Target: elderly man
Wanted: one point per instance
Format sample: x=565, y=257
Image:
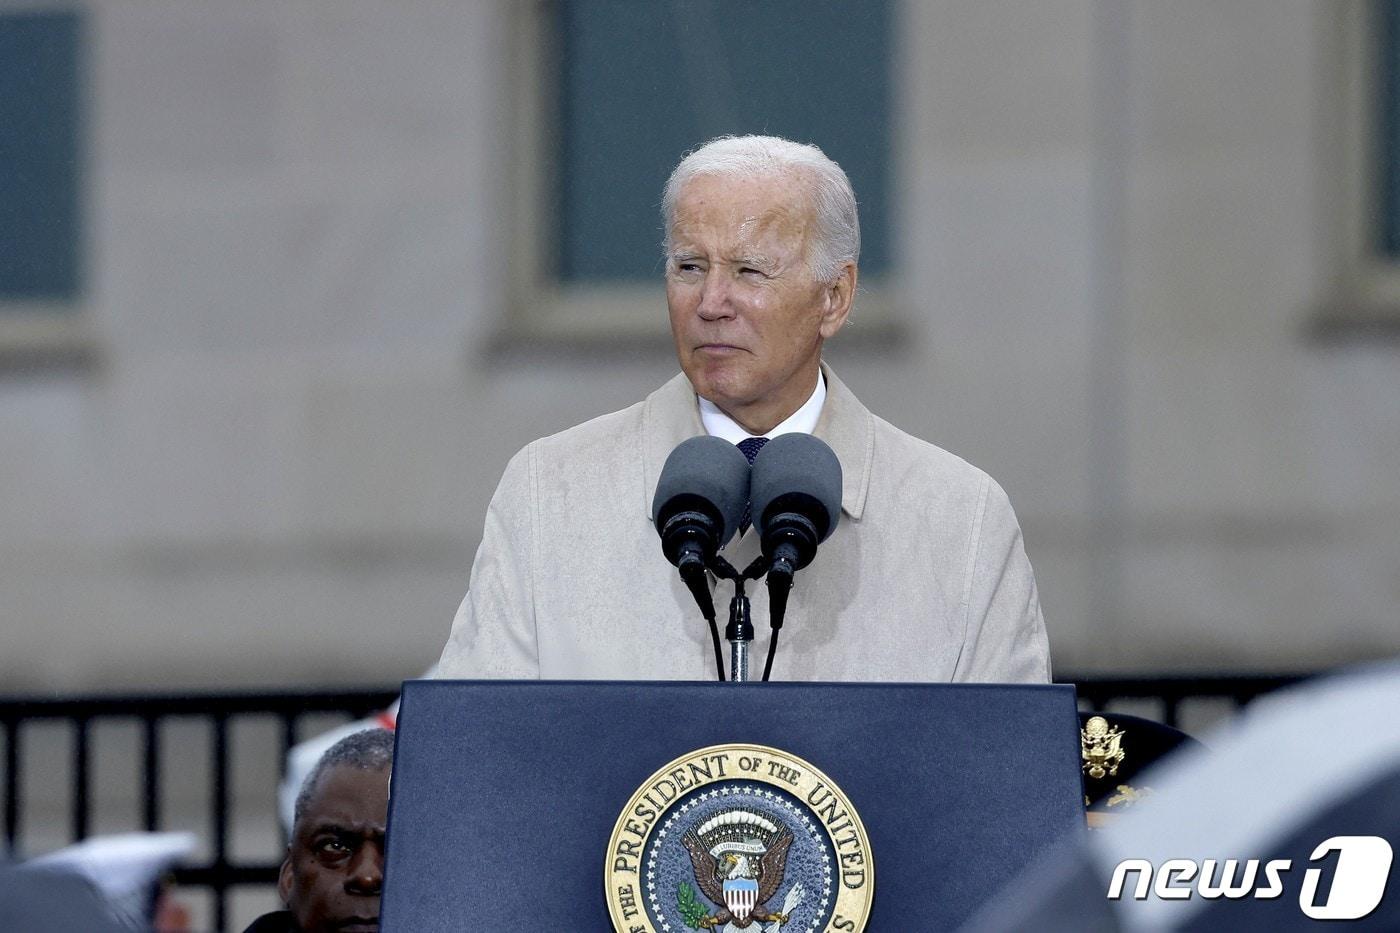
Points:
x=331, y=878
x=925, y=577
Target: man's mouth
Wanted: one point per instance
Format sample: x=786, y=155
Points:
x=359, y=925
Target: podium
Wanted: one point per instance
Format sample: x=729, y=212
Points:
x=544, y=805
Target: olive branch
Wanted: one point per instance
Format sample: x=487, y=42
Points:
x=692, y=911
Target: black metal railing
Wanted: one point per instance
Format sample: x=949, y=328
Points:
x=221, y=873
x=1097, y=692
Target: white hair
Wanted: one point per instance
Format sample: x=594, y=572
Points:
x=833, y=203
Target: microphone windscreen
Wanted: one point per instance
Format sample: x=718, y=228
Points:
x=797, y=464
x=711, y=468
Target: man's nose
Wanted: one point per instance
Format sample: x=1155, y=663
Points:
x=366, y=874
x=714, y=296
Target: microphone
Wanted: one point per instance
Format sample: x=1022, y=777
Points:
x=796, y=493
x=699, y=503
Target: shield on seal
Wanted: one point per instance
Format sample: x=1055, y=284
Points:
x=740, y=896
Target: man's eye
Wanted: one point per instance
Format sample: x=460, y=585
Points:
x=332, y=846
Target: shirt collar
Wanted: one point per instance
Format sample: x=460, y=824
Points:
x=802, y=421
x=671, y=414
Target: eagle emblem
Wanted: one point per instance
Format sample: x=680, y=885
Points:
x=739, y=856
x=739, y=839
x=1100, y=747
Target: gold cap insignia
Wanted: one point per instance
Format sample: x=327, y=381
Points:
x=1100, y=748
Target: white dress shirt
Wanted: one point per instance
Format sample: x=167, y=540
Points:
x=802, y=421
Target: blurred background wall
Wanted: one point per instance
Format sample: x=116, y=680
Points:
x=256, y=443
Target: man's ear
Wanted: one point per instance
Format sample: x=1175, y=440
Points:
x=839, y=295
x=284, y=879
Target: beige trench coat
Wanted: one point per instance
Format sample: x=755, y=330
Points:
x=925, y=578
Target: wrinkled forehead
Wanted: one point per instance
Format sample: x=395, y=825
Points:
x=346, y=796
x=731, y=212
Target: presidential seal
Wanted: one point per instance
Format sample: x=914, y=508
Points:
x=739, y=837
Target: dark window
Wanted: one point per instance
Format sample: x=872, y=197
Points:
x=1388, y=127
x=641, y=83
x=39, y=172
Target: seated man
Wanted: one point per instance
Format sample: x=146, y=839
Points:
x=924, y=578
x=334, y=868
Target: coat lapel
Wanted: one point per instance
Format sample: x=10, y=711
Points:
x=849, y=427
x=669, y=416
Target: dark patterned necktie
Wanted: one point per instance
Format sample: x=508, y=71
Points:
x=749, y=446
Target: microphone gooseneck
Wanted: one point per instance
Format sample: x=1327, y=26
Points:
x=699, y=502
x=796, y=501
x=687, y=540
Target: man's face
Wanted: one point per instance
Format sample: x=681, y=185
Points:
x=335, y=862
x=747, y=315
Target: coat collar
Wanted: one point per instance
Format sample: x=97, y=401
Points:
x=671, y=414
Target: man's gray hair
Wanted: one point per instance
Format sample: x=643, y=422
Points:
x=370, y=750
x=837, y=239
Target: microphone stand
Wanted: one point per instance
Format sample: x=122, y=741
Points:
x=739, y=631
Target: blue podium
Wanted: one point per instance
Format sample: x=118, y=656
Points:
x=564, y=806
